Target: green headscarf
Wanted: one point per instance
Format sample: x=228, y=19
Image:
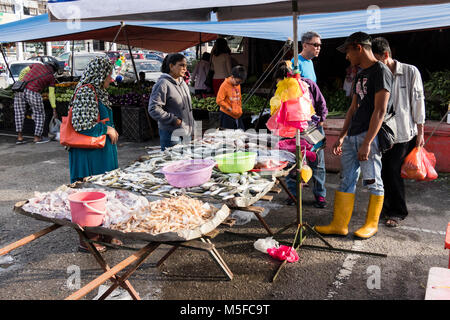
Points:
x=84, y=105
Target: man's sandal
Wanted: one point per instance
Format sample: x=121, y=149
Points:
x=393, y=223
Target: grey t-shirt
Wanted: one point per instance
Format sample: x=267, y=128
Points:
x=367, y=83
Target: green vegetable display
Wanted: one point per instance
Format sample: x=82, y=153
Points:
x=253, y=105
x=208, y=104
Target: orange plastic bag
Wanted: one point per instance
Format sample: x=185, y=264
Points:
x=419, y=165
x=429, y=161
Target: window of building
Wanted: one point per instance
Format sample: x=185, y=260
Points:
x=7, y=8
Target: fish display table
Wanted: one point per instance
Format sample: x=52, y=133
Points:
x=239, y=191
x=200, y=241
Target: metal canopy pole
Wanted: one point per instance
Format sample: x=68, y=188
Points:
x=131, y=53
x=301, y=225
x=71, y=56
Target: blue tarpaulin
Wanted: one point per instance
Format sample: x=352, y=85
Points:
x=328, y=25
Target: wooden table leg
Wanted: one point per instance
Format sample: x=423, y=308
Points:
x=127, y=275
x=263, y=222
x=110, y=273
x=257, y=212
x=167, y=255
x=285, y=188
x=28, y=239
x=218, y=259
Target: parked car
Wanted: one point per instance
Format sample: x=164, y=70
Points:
x=113, y=55
x=152, y=69
x=16, y=67
x=135, y=56
x=43, y=59
x=154, y=56
x=81, y=60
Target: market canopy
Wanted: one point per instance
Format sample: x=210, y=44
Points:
x=177, y=36
x=200, y=10
x=141, y=35
x=329, y=25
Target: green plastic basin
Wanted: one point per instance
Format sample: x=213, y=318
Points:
x=236, y=162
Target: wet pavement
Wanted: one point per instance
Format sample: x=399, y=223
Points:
x=51, y=268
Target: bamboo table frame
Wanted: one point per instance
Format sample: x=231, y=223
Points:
x=203, y=244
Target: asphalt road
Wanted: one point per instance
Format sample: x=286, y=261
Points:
x=46, y=268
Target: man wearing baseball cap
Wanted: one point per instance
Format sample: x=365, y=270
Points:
x=358, y=143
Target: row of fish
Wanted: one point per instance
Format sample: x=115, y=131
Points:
x=144, y=176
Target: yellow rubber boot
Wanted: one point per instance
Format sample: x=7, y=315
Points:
x=373, y=216
x=343, y=209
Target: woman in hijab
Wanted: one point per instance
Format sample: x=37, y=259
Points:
x=89, y=101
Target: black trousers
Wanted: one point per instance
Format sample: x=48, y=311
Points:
x=227, y=122
x=394, y=187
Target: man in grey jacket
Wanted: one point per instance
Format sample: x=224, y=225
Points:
x=409, y=106
x=170, y=103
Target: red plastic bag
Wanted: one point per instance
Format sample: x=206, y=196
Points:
x=280, y=129
x=283, y=253
x=419, y=165
x=429, y=161
x=291, y=114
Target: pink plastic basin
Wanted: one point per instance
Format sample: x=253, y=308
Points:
x=88, y=208
x=189, y=173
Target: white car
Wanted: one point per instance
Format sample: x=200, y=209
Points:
x=152, y=69
x=80, y=60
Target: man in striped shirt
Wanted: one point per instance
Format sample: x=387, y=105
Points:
x=38, y=77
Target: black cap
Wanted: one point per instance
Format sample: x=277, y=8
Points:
x=53, y=65
x=355, y=38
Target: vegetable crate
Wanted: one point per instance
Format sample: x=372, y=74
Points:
x=135, y=125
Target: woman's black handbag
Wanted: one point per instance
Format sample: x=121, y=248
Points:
x=387, y=133
x=19, y=86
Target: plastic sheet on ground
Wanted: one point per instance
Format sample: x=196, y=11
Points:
x=117, y=294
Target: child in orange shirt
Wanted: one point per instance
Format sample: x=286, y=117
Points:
x=229, y=99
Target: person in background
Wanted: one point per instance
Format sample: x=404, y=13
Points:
x=187, y=77
x=318, y=165
x=199, y=75
x=357, y=143
x=39, y=77
x=90, y=101
x=350, y=74
x=311, y=45
x=143, y=83
x=220, y=63
x=409, y=107
x=229, y=99
x=170, y=102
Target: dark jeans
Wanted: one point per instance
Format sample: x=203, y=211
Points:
x=318, y=178
x=228, y=122
x=166, y=141
x=394, y=187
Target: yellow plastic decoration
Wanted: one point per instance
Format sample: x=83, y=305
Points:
x=306, y=173
x=275, y=104
x=287, y=89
